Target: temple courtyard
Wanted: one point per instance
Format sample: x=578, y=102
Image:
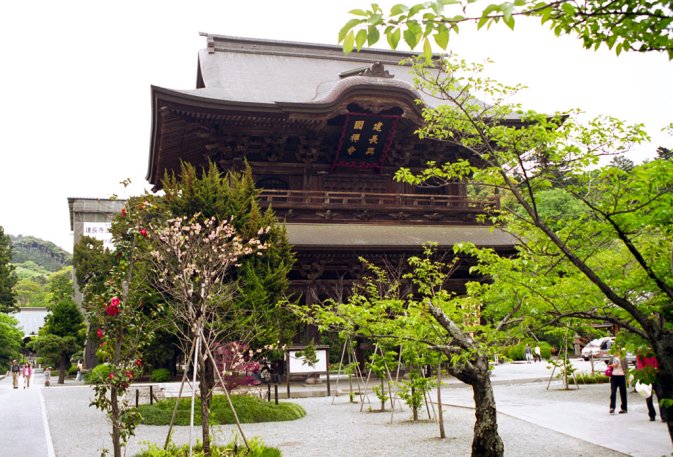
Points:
x=533, y=420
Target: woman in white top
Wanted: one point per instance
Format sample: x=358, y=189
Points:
x=618, y=380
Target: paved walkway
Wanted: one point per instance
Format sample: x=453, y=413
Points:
x=23, y=419
x=532, y=421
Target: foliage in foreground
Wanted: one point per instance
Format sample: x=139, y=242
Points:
x=257, y=449
x=249, y=410
x=7, y=275
x=10, y=341
x=622, y=25
x=594, y=241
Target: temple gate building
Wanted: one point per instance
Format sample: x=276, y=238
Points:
x=323, y=133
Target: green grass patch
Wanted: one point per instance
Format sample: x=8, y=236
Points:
x=588, y=378
x=257, y=449
x=249, y=410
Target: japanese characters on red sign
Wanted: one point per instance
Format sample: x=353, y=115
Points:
x=365, y=140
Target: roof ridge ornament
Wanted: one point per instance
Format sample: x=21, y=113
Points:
x=377, y=70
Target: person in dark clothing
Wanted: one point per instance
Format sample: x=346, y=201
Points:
x=643, y=362
x=618, y=381
x=15, y=369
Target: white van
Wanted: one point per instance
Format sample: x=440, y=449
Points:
x=598, y=348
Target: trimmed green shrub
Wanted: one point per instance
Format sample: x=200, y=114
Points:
x=98, y=374
x=249, y=410
x=160, y=375
x=518, y=351
x=588, y=378
x=234, y=449
x=72, y=371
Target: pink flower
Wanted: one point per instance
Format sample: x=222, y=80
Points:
x=99, y=332
x=143, y=232
x=115, y=301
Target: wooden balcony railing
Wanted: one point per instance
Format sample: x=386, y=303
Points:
x=297, y=199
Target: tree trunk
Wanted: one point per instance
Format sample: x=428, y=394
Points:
x=475, y=372
x=663, y=348
x=205, y=403
x=440, y=409
x=114, y=415
x=486, y=441
x=62, y=361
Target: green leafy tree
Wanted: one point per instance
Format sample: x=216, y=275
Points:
x=10, y=341
x=59, y=285
x=7, y=275
x=616, y=251
x=625, y=25
x=262, y=280
x=30, y=293
x=429, y=322
x=64, y=330
x=31, y=270
x=92, y=264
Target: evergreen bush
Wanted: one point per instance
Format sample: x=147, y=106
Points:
x=98, y=374
x=160, y=375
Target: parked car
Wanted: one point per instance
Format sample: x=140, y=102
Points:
x=599, y=349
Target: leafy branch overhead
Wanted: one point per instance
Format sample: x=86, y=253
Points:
x=622, y=25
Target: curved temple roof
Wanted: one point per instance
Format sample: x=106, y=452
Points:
x=265, y=71
x=281, y=84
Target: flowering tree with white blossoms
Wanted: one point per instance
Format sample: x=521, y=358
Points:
x=193, y=259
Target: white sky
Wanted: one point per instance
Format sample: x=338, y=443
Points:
x=76, y=75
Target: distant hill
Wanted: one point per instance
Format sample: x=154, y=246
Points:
x=43, y=253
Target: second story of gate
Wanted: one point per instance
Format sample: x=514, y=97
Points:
x=323, y=132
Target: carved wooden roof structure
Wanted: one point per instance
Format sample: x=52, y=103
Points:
x=323, y=133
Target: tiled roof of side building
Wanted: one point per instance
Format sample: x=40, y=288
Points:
x=394, y=236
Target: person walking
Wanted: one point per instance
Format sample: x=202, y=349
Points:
x=648, y=364
x=15, y=369
x=529, y=353
x=537, y=354
x=27, y=372
x=618, y=381
x=80, y=369
x=47, y=376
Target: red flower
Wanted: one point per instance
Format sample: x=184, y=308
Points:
x=99, y=332
x=111, y=375
x=143, y=232
x=123, y=212
x=112, y=310
x=129, y=374
x=115, y=301
x=139, y=362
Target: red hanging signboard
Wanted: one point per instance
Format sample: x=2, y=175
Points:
x=365, y=141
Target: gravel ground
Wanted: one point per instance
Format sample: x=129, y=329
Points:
x=327, y=430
